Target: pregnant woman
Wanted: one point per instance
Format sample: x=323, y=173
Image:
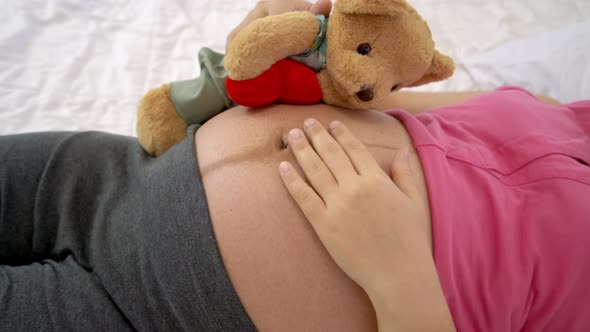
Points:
x=97, y=235
x=489, y=223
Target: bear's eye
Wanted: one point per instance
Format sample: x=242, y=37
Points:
x=364, y=49
x=394, y=87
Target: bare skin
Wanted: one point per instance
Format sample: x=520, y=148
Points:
x=279, y=268
x=369, y=224
x=282, y=273
x=416, y=102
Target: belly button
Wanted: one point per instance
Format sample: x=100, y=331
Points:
x=284, y=145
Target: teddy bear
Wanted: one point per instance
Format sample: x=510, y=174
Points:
x=365, y=50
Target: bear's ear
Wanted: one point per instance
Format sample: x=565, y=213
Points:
x=442, y=67
x=373, y=7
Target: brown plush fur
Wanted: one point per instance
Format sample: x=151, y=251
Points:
x=158, y=124
x=402, y=49
x=374, y=7
x=402, y=52
x=268, y=40
x=402, y=55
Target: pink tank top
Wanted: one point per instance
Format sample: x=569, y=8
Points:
x=509, y=189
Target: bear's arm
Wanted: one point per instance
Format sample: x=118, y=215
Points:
x=265, y=41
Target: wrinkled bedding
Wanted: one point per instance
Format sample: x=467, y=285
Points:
x=84, y=65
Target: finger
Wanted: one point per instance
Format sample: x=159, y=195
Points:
x=261, y=10
x=401, y=173
x=312, y=165
x=329, y=151
x=307, y=200
x=361, y=159
x=303, y=6
x=323, y=7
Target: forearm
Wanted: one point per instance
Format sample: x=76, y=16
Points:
x=412, y=301
x=416, y=102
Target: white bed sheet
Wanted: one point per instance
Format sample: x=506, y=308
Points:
x=84, y=65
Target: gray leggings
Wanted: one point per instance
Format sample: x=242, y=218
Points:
x=95, y=235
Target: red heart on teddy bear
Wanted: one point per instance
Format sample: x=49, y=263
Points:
x=287, y=81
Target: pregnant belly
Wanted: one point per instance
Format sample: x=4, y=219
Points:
x=279, y=268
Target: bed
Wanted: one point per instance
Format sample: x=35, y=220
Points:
x=84, y=65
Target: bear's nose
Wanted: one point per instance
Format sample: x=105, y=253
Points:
x=365, y=94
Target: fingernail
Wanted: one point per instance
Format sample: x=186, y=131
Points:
x=295, y=134
x=310, y=123
x=335, y=124
x=284, y=167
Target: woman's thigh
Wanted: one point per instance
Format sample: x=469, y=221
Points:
x=279, y=268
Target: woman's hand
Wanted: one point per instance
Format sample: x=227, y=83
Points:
x=275, y=7
x=369, y=224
